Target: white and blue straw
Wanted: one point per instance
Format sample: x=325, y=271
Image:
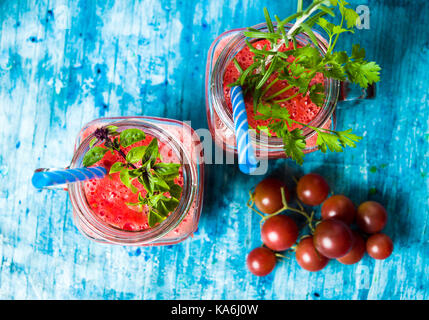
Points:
x=43, y=179
x=246, y=156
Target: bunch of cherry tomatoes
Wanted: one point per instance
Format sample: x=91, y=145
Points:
x=330, y=238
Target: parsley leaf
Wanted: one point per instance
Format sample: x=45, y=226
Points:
x=294, y=144
x=336, y=141
x=363, y=72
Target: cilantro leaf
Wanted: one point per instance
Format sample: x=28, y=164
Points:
x=264, y=129
x=336, y=141
x=317, y=94
x=329, y=141
x=352, y=18
x=347, y=138
x=357, y=52
x=363, y=72
x=274, y=111
x=294, y=144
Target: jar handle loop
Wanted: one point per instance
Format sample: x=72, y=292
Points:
x=350, y=91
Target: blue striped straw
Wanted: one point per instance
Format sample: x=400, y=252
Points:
x=246, y=156
x=42, y=179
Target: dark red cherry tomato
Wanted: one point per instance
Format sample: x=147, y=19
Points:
x=312, y=189
x=333, y=238
x=268, y=197
x=339, y=207
x=261, y=261
x=357, y=251
x=279, y=233
x=307, y=256
x=371, y=217
x=379, y=246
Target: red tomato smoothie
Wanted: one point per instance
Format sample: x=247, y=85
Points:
x=300, y=108
x=108, y=197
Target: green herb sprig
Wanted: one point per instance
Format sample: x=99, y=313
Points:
x=307, y=63
x=156, y=177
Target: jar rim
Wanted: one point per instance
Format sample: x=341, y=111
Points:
x=231, y=48
x=110, y=233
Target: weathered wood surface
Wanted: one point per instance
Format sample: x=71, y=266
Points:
x=64, y=63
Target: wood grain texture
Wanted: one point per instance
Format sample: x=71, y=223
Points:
x=64, y=63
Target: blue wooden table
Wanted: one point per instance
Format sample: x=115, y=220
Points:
x=64, y=63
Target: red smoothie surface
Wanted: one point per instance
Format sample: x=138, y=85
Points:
x=108, y=197
x=300, y=108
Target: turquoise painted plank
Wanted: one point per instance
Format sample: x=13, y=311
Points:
x=64, y=63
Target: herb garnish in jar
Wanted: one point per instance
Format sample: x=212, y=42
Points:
x=284, y=73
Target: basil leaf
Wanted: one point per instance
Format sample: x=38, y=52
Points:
x=166, y=169
x=170, y=178
x=93, y=156
x=162, y=210
x=175, y=191
x=125, y=178
x=147, y=182
x=116, y=167
x=155, y=199
x=131, y=136
x=135, y=173
x=160, y=184
x=151, y=153
x=134, y=204
x=171, y=204
x=154, y=218
x=135, y=154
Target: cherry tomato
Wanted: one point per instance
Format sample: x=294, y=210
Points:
x=312, y=189
x=261, y=261
x=279, y=232
x=371, y=217
x=357, y=251
x=339, y=207
x=307, y=256
x=268, y=197
x=333, y=238
x=379, y=246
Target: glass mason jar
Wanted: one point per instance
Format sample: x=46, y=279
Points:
x=219, y=116
x=181, y=223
